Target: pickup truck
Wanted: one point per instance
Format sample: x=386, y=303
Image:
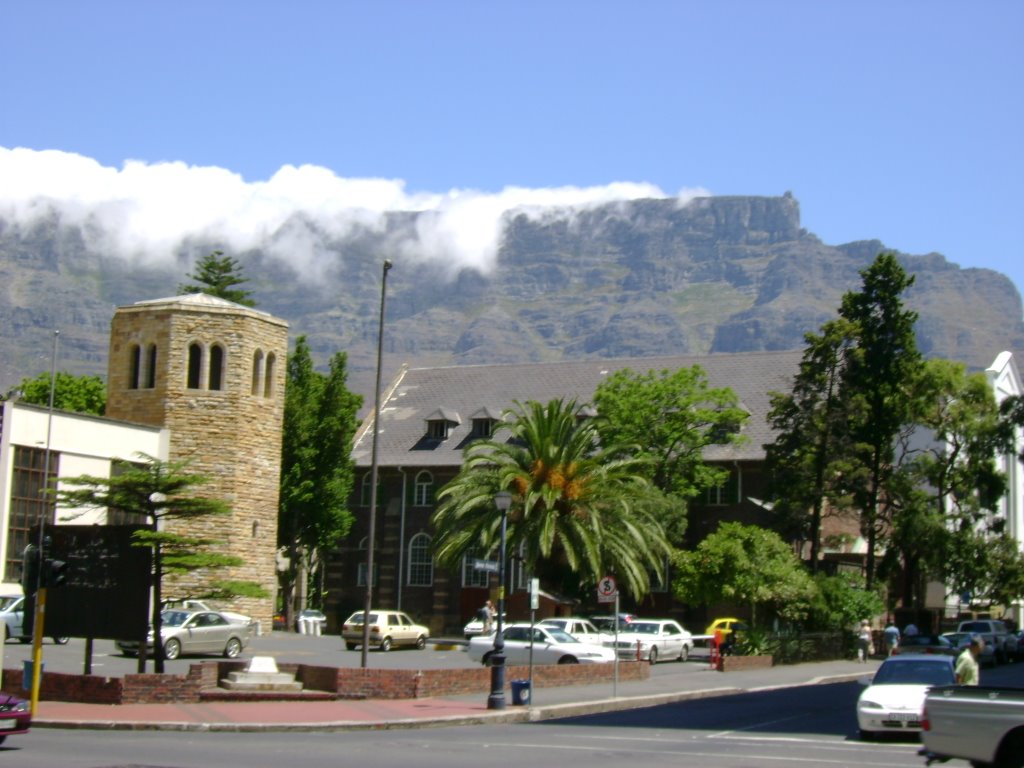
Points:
x=996, y=635
x=984, y=725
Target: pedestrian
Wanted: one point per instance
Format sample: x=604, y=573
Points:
x=966, y=669
x=891, y=636
x=486, y=615
x=864, y=642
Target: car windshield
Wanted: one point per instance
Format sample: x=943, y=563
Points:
x=357, y=618
x=918, y=672
x=174, y=618
x=640, y=627
x=560, y=635
x=7, y=602
x=925, y=640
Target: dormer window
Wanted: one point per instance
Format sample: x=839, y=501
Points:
x=484, y=422
x=441, y=422
x=584, y=413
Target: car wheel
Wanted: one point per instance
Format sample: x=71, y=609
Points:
x=421, y=642
x=172, y=649
x=385, y=644
x=653, y=656
x=684, y=654
x=3, y=738
x=24, y=640
x=350, y=646
x=233, y=648
x=61, y=640
x=568, y=660
x=867, y=735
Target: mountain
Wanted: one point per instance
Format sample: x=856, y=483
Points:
x=720, y=274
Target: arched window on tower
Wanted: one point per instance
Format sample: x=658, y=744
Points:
x=257, y=371
x=268, y=378
x=151, y=366
x=195, y=365
x=423, y=489
x=216, y=367
x=134, y=366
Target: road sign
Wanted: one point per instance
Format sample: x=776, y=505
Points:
x=607, y=590
x=491, y=566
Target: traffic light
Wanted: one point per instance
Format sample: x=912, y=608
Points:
x=55, y=573
x=30, y=569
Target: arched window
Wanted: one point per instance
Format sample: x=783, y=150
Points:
x=134, y=366
x=216, y=367
x=195, y=365
x=151, y=366
x=364, y=492
x=268, y=379
x=423, y=489
x=257, y=371
x=472, y=576
x=421, y=564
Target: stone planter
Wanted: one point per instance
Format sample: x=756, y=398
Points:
x=737, y=663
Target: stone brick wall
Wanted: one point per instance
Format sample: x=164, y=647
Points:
x=231, y=434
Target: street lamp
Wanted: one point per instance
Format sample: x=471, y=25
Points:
x=496, y=700
x=371, y=533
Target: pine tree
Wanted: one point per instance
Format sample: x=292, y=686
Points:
x=217, y=275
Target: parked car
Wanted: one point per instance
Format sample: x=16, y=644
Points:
x=654, y=639
x=551, y=645
x=475, y=627
x=607, y=623
x=1019, y=647
x=12, y=613
x=312, y=617
x=995, y=633
x=893, y=700
x=198, y=605
x=582, y=629
x=980, y=724
x=15, y=716
x=193, y=632
x=726, y=627
x=387, y=629
x=960, y=640
x=925, y=644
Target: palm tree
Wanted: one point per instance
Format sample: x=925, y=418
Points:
x=575, y=503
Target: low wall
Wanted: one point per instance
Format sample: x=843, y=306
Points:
x=345, y=682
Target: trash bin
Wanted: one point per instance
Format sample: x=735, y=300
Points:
x=520, y=692
x=26, y=674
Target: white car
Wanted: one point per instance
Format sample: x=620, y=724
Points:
x=198, y=605
x=894, y=697
x=551, y=645
x=654, y=639
x=387, y=629
x=582, y=629
x=12, y=613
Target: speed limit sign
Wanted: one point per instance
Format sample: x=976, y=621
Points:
x=607, y=590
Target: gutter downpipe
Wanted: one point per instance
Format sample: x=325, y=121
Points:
x=401, y=540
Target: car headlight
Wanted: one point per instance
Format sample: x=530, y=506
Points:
x=868, y=704
x=21, y=706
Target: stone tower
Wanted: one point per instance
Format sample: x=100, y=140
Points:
x=213, y=373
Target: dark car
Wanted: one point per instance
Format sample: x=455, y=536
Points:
x=935, y=644
x=15, y=716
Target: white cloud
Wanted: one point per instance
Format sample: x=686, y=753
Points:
x=146, y=211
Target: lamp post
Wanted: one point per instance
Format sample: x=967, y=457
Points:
x=496, y=699
x=371, y=534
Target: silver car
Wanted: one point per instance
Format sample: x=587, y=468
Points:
x=654, y=639
x=194, y=632
x=12, y=614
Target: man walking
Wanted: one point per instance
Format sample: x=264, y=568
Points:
x=966, y=669
x=891, y=635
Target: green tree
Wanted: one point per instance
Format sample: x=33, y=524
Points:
x=747, y=565
x=668, y=419
x=217, y=275
x=81, y=394
x=881, y=366
x=811, y=439
x=577, y=504
x=157, y=493
x=841, y=602
x=317, y=472
x=946, y=481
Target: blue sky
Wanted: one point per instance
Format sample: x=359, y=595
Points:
x=892, y=120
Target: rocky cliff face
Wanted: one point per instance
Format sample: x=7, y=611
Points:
x=721, y=274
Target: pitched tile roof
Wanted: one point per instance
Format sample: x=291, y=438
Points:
x=419, y=394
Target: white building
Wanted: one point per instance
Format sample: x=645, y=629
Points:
x=32, y=441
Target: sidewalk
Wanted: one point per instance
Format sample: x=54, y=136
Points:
x=695, y=680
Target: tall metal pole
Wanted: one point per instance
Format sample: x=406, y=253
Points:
x=496, y=699
x=40, y=599
x=372, y=534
